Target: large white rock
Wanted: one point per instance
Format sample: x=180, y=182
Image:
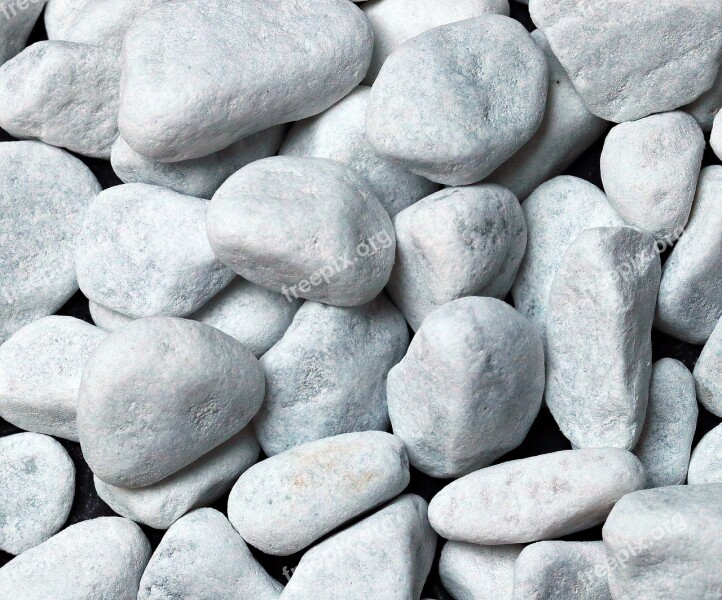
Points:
x=60, y=14
x=708, y=372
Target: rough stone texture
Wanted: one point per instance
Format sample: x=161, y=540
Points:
x=690, y=295
x=40, y=370
x=387, y=555
x=106, y=318
x=143, y=252
x=327, y=375
x=631, y=60
x=535, y=498
x=307, y=227
x=705, y=108
x=288, y=501
x=664, y=544
x=650, y=169
x=599, y=345
x=282, y=62
x=708, y=372
x=203, y=558
x=101, y=558
x=339, y=133
x=396, y=21
x=199, y=177
x=706, y=463
x=567, y=130
x=199, y=388
x=64, y=94
x=16, y=25
x=555, y=214
x=471, y=572
x=199, y=484
x=458, y=242
x=60, y=14
x=44, y=193
x=484, y=91
x=666, y=440
x=37, y=485
x=715, y=140
x=463, y=395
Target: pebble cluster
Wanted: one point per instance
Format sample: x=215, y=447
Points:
x=344, y=257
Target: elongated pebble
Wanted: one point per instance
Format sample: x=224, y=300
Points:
x=705, y=108
x=288, y=501
x=16, y=26
x=708, y=372
x=706, y=463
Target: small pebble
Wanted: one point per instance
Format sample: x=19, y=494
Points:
x=705, y=108
x=706, y=463
x=16, y=26
x=708, y=372
x=107, y=319
x=715, y=140
x=60, y=15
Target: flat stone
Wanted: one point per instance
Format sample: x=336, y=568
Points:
x=60, y=14
x=44, y=194
x=458, y=242
x=40, y=370
x=202, y=557
x=705, y=108
x=666, y=440
x=295, y=59
x=306, y=227
x=567, y=130
x=286, y=502
x=327, y=375
x=143, y=252
x=708, y=372
x=37, y=486
x=199, y=388
x=99, y=558
x=631, y=60
x=706, y=463
x=199, y=484
x=664, y=544
x=471, y=572
x=16, y=26
x=484, y=92
x=537, y=498
x=650, y=169
x=387, y=555
x=599, y=344
x=690, y=295
x=339, y=133
x=199, y=177
x=463, y=396
x=64, y=94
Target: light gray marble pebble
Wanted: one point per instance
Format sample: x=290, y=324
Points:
x=286, y=502
x=107, y=319
x=708, y=372
x=715, y=139
x=16, y=25
x=60, y=14
x=706, y=463
x=705, y=108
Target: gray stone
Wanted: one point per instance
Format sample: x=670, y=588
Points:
x=143, y=252
x=690, y=295
x=107, y=319
x=387, y=555
x=199, y=484
x=64, y=94
x=459, y=242
x=327, y=375
x=40, y=370
x=44, y=194
x=484, y=91
x=463, y=395
x=535, y=498
x=37, y=486
x=307, y=227
x=705, y=108
x=100, y=558
x=664, y=544
x=567, y=130
x=396, y=21
x=339, y=133
x=288, y=501
x=599, y=344
x=291, y=59
x=199, y=177
x=715, y=139
x=555, y=214
x=650, y=169
x=666, y=440
x=708, y=372
x=562, y=571
x=60, y=14
x=631, y=60
x=471, y=572
x=706, y=463
x=160, y=393
x=203, y=558
x=16, y=25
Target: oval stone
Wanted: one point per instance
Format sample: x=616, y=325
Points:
x=708, y=372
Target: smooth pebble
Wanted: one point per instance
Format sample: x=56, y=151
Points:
x=16, y=26
x=708, y=372
x=705, y=108
x=706, y=463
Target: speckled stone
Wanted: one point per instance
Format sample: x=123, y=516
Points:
x=37, y=485
x=40, y=370
x=705, y=108
x=327, y=375
x=706, y=463
x=16, y=25
x=708, y=372
x=535, y=498
x=288, y=501
x=463, y=395
x=484, y=93
x=458, y=242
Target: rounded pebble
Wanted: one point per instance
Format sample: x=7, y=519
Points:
x=708, y=372
x=706, y=463
x=705, y=108
x=16, y=26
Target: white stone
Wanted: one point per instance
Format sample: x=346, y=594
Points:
x=60, y=14
x=708, y=372
x=706, y=463
x=705, y=108
x=16, y=25
x=715, y=140
x=107, y=319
